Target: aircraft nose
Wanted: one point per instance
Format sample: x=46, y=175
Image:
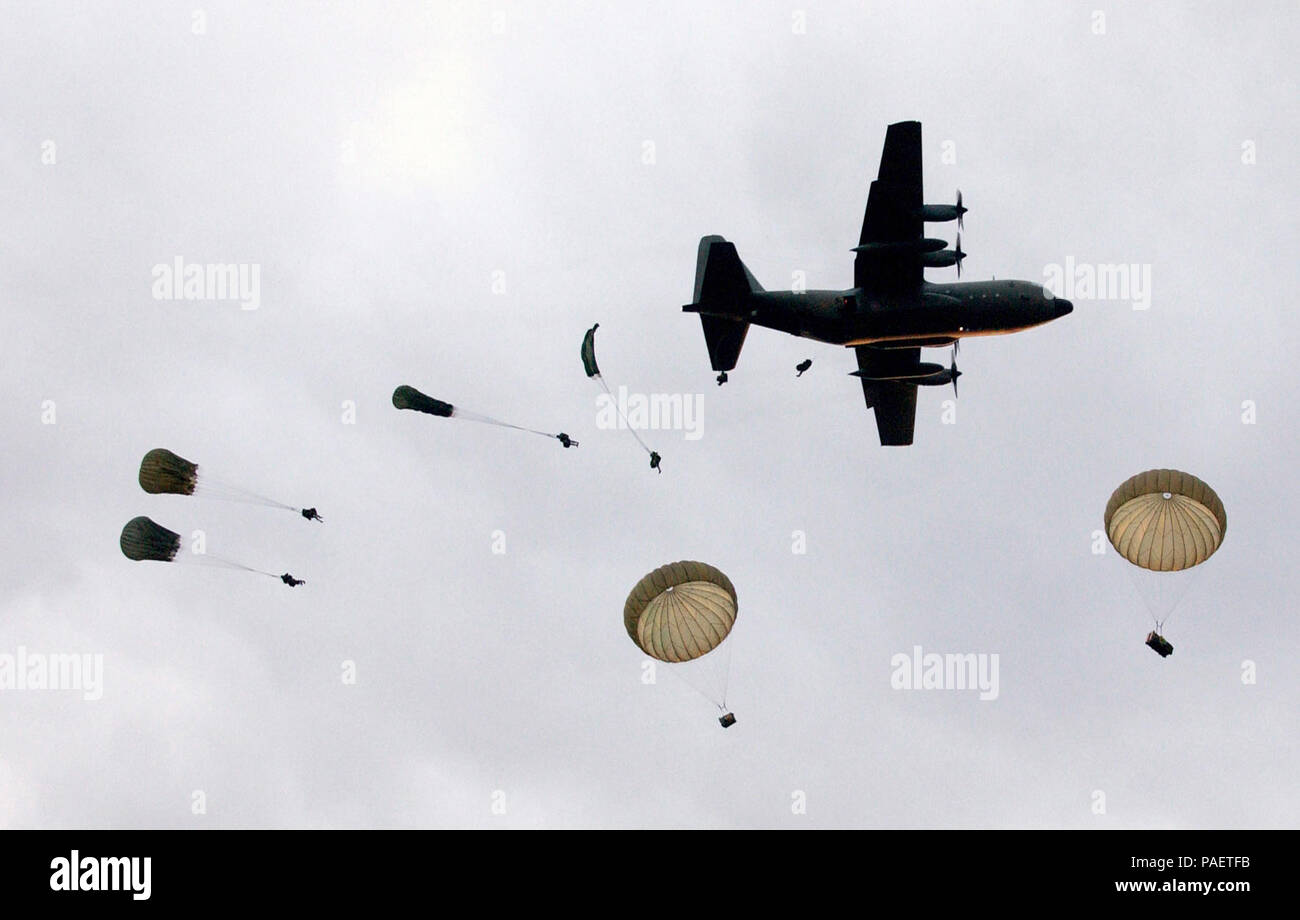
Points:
x=1062, y=306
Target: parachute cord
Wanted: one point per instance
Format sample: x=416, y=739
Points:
x=726, y=681
x=1161, y=592
x=246, y=568
x=488, y=420
x=693, y=687
x=619, y=410
x=706, y=681
x=212, y=487
x=211, y=559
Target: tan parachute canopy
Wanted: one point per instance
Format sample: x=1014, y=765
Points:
x=163, y=471
x=680, y=611
x=1165, y=520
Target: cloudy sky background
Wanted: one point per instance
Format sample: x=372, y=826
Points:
x=383, y=166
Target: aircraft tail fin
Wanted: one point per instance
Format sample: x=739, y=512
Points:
x=722, y=285
x=720, y=276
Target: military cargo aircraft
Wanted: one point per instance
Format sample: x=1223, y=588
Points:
x=891, y=312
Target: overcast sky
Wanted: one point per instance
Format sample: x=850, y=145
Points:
x=385, y=170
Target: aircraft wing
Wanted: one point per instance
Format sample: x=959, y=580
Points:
x=893, y=401
x=893, y=214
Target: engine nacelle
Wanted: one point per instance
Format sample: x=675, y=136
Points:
x=922, y=374
x=938, y=213
x=943, y=259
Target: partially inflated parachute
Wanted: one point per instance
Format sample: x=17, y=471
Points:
x=588, y=354
x=407, y=397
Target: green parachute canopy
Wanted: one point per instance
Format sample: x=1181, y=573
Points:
x=405, y=397
x=143, y=539
x=162, y=471
x=589, y=352
x=680, y=611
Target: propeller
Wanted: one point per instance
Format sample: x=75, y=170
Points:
x=955, y=373
x=960, y=211
x=958, y=253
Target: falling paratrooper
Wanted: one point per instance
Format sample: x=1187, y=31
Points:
x=408, y=397
x=163, y=472
x=589, y=365
x=143, y=539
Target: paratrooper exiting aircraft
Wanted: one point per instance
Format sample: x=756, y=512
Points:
x=891, y=312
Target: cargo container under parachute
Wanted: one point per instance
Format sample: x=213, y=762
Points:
x=1165, y=524
x=682, y=614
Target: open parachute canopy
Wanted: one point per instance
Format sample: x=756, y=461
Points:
x=162, y=471
x=1165, y=520
x=143, y=539
x=681, y=611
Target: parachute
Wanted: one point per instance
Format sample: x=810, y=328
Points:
x=407, y=397
x=682, y=613
x=589, y=352
x=1165, y=523
x=143, y=539
x=1165, y=520
x=163, y=472
x=593, y=371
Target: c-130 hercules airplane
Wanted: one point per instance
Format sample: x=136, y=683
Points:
x=891, y=312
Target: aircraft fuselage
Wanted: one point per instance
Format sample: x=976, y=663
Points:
x=933, y=316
